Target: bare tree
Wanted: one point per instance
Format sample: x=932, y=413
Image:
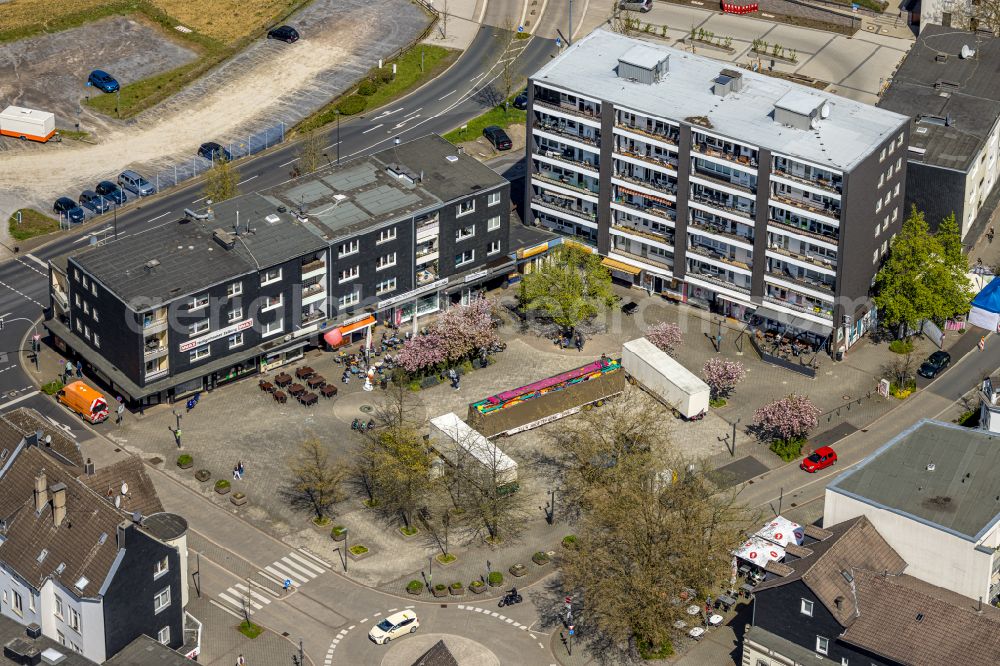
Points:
x=487, y=487
x=901, y=368
x=400, y=468
x=311, y=152
x=316, y=481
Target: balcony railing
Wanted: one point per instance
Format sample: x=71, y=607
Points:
x=149, y=375
x=426, y=276
x=590, y=217
x=669, y=163
x=811, y=309
x=554, y=128
x=649, y=259
x=719, y=203
x=709, y=277
x=805, y=282
x=659, y=136
x=666, y=214
x=828, y=210
x=703, y=149
x=718, y=256
x=563, y=157
x=563, y=181
x=722, y=180
x=426, y=251
x=805, y=232
x=150, y=353
x=312, y=289
x=695, y=226
x=823, y=183
x=310, y=317
x=659, y=238
x=573, y=109
x=154, y=325
x=822, y=262
x=660, y=186
x=313, y=266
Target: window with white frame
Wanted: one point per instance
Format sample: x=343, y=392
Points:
x=881, y=157
x=348, y=274
x=86, y=331
x=58, y=611
x=806, y=607
x=161, y=567
x=822, y=645
x=899, y=140
x=899, y=164
x=272, y=302
x=493, y=223
x=465, y=232
x=878, y=230
x=273, y=328
x=97, y=340
x=200, y=352
x=385, y=286
x=235, y=314
x=93, y=288
x=235, y=289
x=348, y=248
x=16, y=602
x=270, y=276
x=881, y=179
x=86, y=307
x=94, y=315
x=199, y=326
x=350, y=299
x=76, y=299
x=386, y=261
x=875, y=256
x=494, y=247
x=386, y=235
x=61, y=637
x=84, y=281
x=463, y=258
x=236, y=340
x=76, y=274
x=163, y=635
x=465, y=207
x=878, y=205
x=198, y=302
x=895, y=190
x=493, y=199
x=895, y=214
x=161, y=600
x=79, y=326
x=75, y=621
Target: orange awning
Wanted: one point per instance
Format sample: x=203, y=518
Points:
x=621, y=266
x=367, y=321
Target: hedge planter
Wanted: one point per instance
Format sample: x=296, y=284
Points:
x=456, y=589
x=408, y=532
x=414, y=587
x=518, y=570
x=203, y=475
x=477, y=587
x=222, y=486
x=238, y=499
x=185, y=461
x=440, y=590
x=495, y=579
x=338, y=533
x=569, y=541
x=358, y=552
x=445, y=559
x=540, y=558
x=704, y=43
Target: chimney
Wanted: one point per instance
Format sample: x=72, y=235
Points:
x=120, y=534
x=89, y=468
x=58, y=503
x=41, y=494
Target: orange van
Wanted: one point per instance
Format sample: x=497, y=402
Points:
x=85, y=401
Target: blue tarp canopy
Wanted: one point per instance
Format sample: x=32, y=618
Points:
x=985, y=311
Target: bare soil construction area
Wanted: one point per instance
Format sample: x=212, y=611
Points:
x=266, y=83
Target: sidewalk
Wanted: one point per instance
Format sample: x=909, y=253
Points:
x=457, y=24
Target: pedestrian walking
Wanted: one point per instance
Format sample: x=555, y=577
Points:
x=120, y=411
x=989, y=235
x=79, y=369
x=177, y=436
x=453, y=376
x=240, y=661
x=69, y=371
x=240, y=467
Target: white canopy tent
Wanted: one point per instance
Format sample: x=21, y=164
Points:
x=759, y=551
x=782, y=532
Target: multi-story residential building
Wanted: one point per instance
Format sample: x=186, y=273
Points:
x=934, y=495
x=247, y=285
x=715, y=186
x=76, y=566
x=989, y=404
x=947, y=87
x=848, y=600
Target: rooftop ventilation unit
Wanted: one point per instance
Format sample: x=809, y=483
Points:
x=801, y=110
x=728, y=81
x=273, y=218
x=403, y=174
x=151, y=264
x=947, y=86
x=224, y=238
x=452, y=158
x=941, y=57
x=931, y=467
x=967, y=52
x=643, y=64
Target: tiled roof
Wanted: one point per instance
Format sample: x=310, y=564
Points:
x=27, y=421
x=15, y=635
x=438, y=655
x=144, y=651
x=141, y=496
x=918, y=624
x=83, y=546
x=853, y=544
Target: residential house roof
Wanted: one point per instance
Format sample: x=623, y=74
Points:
x=128, y=473
x=144, y=651
x=54, y=440
x=13, y=635
x=438, y=655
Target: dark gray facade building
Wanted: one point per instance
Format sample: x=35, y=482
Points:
x=755, y=197
x=947, y=86
x=249, y=283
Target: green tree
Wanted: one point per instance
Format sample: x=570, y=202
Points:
x=571, y=288
x=400, y=466
x=924, y=276
x=221, y=181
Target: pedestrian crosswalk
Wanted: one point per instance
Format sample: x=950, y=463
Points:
x=298, y=567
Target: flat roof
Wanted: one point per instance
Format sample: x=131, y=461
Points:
x=840, y=141
x=953, y=102
x=940, y=474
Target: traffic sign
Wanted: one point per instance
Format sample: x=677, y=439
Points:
x=558, y=42
x=571, y=630
x=520, y=28
x=288, y=583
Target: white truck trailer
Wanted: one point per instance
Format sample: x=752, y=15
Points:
x=459, y=444
x=666, y=379
x=27, y=124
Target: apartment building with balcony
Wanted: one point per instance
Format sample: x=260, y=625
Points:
x=751, y=196
x=250, y=283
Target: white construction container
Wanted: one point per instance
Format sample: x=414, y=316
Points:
x=27, y=124
x=666, y=379
x=458, y=443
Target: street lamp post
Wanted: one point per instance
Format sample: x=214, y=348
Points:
x=430, y=573
x=336, y=112
x=115, y=204
x=346, y=535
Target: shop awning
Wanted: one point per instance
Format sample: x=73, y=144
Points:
x=799, y=323
x=333, y=337
x=759, y=551
x=367, y=321
x=782, y=532
x=621, y=266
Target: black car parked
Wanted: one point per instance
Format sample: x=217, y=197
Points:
x=69, y=209
x=934, y=364
x=94, y=201
x=212, y=151
x=285, y=33
x=110, y=191
x=521, y=101
x=496, y=136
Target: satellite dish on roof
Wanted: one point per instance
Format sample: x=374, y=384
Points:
x=967, y=51
x=825, y=111
x=118, y=501
x=124, y=488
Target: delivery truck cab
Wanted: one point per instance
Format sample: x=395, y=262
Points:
x=85, y=401
x=27, y=124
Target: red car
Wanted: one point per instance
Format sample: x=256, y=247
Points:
x=821, y=458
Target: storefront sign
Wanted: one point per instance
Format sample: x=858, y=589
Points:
x=411, y=294
x=355, y=319
x=475, y=276
x=215, y=335
x=305, y=331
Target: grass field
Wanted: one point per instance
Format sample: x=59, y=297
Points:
x=495, y=116
x=226, y=21
x=32, y=224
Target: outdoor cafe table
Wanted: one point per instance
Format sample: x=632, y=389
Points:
x=693, y=609
x=308, y=399
x=316, y=381
x=283, y=379
x=296, y=389
x=328, y=391
x=715, y=620
x=747, y=589
x=725, y=601
x=696, y=633
x=304, y=372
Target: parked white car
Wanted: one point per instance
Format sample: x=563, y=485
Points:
x=394, y=626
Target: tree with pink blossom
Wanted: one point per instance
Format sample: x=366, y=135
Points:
x=722, y=376
x=421, y=352
x=666, y=336
x=465, y=329
x=787, y=422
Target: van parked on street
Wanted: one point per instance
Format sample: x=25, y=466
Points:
x=133, y=182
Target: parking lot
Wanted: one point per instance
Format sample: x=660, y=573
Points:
x=855, y=67
x=49, y=72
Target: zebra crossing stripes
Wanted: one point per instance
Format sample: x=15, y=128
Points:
x=297, y=567
x=239, y=594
